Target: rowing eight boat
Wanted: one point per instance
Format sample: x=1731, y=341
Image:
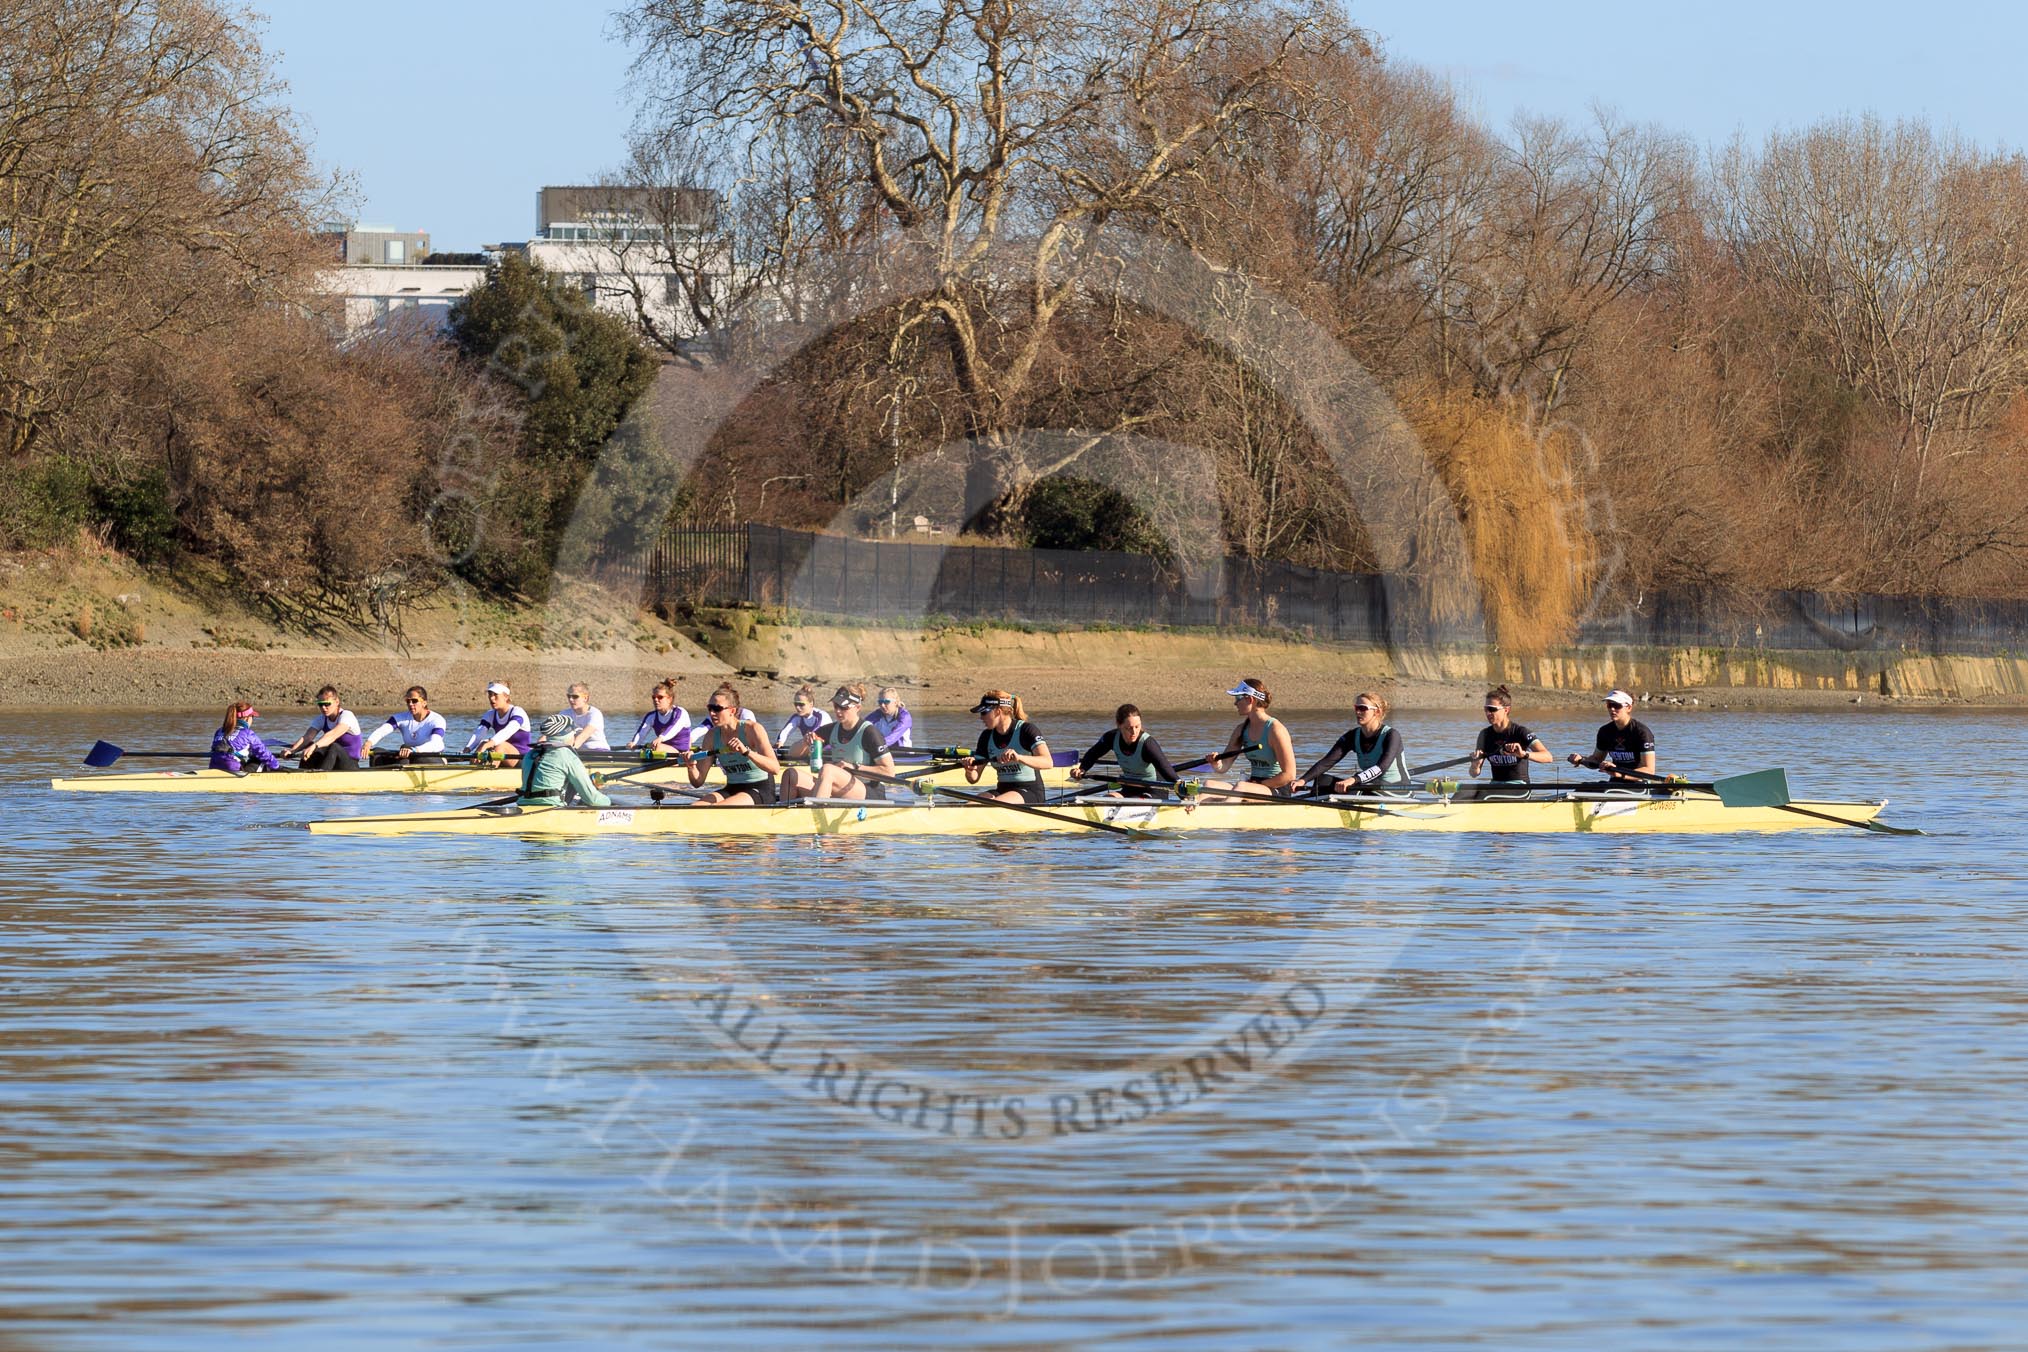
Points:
x=455, y=778
x=1688, y=812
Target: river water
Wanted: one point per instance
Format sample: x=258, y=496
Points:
x=1293, y=1091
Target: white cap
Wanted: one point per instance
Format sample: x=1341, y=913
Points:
x=498, y=688
x=1619, y=697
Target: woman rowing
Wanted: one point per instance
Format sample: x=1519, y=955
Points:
x=846, y=741
x=1145, y=771
x=892, y=720
x=503, y=730
x=740, y=746
x=587, y=720
x=418, y=733
x=1624, y=742
x=1378, y=765
x=236, y=746
x=1012, y=745
x=1506, y=746
x=665, y=730
x=332, y=741
x=1263, y=740
x=803, y=723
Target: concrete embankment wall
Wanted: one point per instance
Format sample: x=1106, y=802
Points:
x=1119, y=664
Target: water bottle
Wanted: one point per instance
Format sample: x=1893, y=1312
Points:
x=816, y=756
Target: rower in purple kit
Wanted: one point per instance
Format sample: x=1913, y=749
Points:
x=892, y=720
x=1624, y=742
x=665, y=730
x=332, y=741
x=418, y=733
x=803, y=723
x=236, y=748
x=503, y=730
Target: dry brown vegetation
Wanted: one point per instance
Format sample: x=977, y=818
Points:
x=1797, y=364
x=165, y=375
x=1147, y=229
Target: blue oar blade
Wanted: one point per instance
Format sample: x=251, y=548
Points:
x=102, y=754
x=1761, y=788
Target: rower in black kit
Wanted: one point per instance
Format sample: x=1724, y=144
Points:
x=1624, y=743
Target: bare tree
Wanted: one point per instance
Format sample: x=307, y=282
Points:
x=1903, y=258
x=996, y=138
x=146, y=169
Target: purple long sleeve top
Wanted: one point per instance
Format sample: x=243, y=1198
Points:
x=243, y=746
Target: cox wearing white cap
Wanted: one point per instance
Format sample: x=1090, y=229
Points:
x=1624, y=742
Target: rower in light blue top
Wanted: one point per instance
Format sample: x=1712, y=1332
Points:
x=1263, y=740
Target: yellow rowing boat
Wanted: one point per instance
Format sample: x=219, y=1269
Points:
x=1680, y=812
x=454, y=778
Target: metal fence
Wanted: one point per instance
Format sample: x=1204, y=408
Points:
x=901, y=579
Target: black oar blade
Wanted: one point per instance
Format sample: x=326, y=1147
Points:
x=102, y=754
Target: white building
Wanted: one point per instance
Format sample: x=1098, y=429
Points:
x=632, y=251
x=386, y=277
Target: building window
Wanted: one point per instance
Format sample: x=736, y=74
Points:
x=397, y=251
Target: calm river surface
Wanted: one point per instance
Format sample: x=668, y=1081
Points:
x=1290, y=1091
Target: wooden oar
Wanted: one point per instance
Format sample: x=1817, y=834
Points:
x=1768, y=789
x=987, y=800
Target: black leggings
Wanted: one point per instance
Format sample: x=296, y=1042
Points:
x=328, y=758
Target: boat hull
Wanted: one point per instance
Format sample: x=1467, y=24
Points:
x=1695, y=814
x=452, y=779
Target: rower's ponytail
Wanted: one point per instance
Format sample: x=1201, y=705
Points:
x=1260, y=690
x=1020, y=714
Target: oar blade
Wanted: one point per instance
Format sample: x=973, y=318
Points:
x=102, y=754
x=1760, y=788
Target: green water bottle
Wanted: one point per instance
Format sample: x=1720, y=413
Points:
x=816, y=755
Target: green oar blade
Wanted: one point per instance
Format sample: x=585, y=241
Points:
x=1761, y=788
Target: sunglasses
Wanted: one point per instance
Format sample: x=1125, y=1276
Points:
x=803, y=704
x=413, y=700
x=1494, y=708
x=327, y=704
x=714, y=708
x=841, y=705
x=1362, y=708
x=659, y=698
x=887, y=701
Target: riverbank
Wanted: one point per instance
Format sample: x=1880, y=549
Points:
x=95, y=632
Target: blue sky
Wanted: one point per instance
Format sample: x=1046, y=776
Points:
x=451, y=116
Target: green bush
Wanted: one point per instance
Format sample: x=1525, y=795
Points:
x=1074, y=513
x=54, y=501
x=138, y=511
